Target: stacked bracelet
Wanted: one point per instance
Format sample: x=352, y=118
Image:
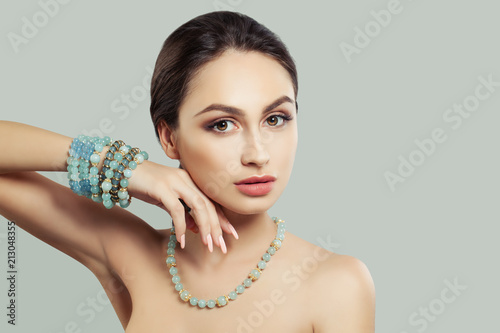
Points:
x=79, y=161
x=109, y=185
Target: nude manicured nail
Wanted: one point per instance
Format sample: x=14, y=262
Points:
x=222, y=244
x=183, y=241
x=233, y=231
x=210, y=243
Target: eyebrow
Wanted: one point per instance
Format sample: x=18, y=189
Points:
x=238, y=112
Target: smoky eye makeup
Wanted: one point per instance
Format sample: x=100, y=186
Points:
x=283, y=117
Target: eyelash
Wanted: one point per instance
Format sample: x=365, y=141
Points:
x=286, y=118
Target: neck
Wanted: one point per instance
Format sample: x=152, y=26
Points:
x=255, y=233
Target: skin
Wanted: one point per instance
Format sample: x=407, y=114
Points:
x=304, y=288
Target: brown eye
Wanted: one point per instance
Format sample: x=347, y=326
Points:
x=273, y=120
x=223, y=127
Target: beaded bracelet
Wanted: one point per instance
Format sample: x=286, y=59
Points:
x=109, y=185
x=111, y=178
x=129, y=162
x=78, y=163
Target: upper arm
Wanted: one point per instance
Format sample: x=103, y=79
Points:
x=347, y=304
x=54, y=214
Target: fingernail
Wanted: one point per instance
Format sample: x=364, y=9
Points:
x=222, y=244
x=183, y=240
x=210, y=244
x=233, y=231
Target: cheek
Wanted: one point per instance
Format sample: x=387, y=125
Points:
x=210, y=160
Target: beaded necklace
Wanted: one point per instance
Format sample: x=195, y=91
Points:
x=232, y=295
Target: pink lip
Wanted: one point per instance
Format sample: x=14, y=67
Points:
x=257, y=179
x=256, y=185
x=256, y=188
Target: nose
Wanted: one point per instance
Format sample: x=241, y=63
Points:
x=254, y=151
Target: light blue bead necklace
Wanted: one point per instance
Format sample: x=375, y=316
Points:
x=232, y=295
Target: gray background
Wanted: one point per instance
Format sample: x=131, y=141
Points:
x=355, y=119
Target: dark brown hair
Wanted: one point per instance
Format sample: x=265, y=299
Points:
x=198, y=41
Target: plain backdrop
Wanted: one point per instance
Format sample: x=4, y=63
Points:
x=381, y=86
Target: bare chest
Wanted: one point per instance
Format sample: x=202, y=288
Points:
x=274, y=303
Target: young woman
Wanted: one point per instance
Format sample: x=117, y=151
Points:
x=223, y=103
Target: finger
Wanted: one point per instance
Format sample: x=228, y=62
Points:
x=204, y=212
x=215, y=228
x=226, y=226
x=199, y=212
x=177, y=211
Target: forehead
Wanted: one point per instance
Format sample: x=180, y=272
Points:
x=246, y=80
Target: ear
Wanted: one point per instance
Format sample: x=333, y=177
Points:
x=168, y=140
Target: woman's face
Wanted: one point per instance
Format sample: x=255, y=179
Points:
x=238, y=121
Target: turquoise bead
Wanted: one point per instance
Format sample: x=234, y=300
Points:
x=271, y=250
x=221, y=300
x=98, y=147
x=210, y=303
x=247, y=282
x=179, y=286
x=233, y=295
x=124, y=203
x=172, y=244
x=108, y=204
x=139, y=158
x=193, y=301
x=124, y=150
x=240, y=289
x=176, y=279
x=255, y=273
x=132, y=165
x=94, y=189
x=173, y=270
x=261, y=264
x=106, y=186
x=127, y=173
x=95, y=158
x=202, y=303
x=94, y=180
x=123, y=194
x=145, y=154
x=170, y=260
x=124, y=182
x=118, y=157
x=113, y=165
x=109, y=173
x=173, y=238
x=106, y=196
x=184, y=295
x=170, y=251
x=277, y=243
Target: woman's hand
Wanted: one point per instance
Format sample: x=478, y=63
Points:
x=163, y=186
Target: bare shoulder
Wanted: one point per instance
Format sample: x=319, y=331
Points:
x=346, y=301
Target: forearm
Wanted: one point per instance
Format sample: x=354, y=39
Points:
x=28, y=148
